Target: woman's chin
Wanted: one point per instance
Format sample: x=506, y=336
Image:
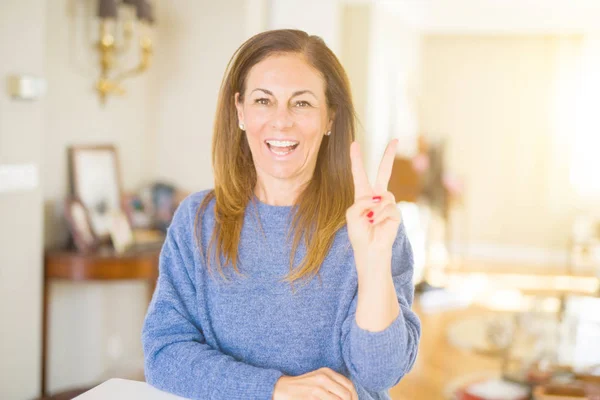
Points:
x=288, y=172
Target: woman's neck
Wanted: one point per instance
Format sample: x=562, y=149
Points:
x=278, y=192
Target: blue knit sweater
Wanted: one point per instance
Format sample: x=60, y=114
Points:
x=205, y=338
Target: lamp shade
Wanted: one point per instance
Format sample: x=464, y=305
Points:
x=145, y=11
x=107, y=9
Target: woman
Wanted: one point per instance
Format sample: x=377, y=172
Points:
x=291, y=197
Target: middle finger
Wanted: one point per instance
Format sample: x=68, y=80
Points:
x=345, y=382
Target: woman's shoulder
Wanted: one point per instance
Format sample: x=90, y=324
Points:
x=189, y=206
x=196, y=198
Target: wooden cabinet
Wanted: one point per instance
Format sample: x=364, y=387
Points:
x=102, y=265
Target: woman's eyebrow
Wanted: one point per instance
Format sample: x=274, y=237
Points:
x=297, y=93
x=263, y=90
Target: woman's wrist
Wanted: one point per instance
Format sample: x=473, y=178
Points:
x=278, y=384
x=373, y=263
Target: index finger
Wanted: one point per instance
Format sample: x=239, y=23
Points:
x=362, y=187
x=385, y=168
x=344, y=381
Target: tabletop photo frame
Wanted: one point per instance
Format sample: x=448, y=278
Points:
x=96, y=182
x=80, y=225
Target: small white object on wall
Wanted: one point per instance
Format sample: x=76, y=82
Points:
x=18, y=177
x=26, y=87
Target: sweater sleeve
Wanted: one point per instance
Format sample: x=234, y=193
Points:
x=177, y=358
x=378, y=360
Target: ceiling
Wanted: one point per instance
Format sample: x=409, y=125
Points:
x=496, y=16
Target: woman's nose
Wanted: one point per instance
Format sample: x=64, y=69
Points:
x=282, y=118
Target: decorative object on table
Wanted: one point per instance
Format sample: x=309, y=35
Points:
x=95, y=180
x=433, y=299
x=121, y=22
x=120, y=231
x=579, y=346
x=485, y=334
x=485, y=386
x=576, y=387
x=559, y=392
x=555, y=348
x=137, y=213
x=532, y=356
x=140, y=216
x=160, y=200
x=78, y=221
x=163, y=199
x=584, y=244
x=493, y=389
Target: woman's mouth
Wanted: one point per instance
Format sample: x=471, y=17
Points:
x=281, y=147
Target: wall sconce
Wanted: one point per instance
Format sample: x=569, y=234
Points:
x=111, y=20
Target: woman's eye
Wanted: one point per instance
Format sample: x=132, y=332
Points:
x=302, y=103
x=262, y=101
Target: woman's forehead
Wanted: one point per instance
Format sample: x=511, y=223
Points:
x=283, y=74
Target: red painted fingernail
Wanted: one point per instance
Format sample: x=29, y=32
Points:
x=371, y=221
x=370, y=214
x=376, y=198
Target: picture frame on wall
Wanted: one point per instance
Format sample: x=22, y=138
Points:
x=80, y=226
x=96, y=182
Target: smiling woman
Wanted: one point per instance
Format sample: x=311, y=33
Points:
x=291, y=201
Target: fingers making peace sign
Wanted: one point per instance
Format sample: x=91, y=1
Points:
x=374, y=218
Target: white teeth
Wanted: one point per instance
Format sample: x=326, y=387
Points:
x=281, y=153
x=281, y=143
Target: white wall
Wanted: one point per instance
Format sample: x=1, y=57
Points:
x=355, y=42
x=196, y=40
x=22, y=30
x=393, y=79
x=493, y=99
x=500, y=17
x=316, y=17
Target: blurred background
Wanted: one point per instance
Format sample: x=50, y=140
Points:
x=106, y=114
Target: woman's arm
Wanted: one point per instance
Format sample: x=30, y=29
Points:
x=177, y=358
x=379, y=359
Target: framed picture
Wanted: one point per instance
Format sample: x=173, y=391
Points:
x=80, y=225
x=96, y=182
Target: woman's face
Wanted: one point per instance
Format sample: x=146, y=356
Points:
x=285, y=116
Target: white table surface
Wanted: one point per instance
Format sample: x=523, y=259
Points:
x=123, y=389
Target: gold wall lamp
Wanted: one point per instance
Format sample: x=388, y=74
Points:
x=124, y=15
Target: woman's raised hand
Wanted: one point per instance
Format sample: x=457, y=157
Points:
x=374, y=218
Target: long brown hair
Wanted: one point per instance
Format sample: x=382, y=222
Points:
x=320, y=210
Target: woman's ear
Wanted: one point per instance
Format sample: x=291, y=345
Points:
x=239, y=108
x=331, y=119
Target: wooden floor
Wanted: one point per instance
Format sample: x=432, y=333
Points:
x=438, y=363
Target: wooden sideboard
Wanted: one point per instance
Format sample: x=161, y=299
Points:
x=138, y=263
